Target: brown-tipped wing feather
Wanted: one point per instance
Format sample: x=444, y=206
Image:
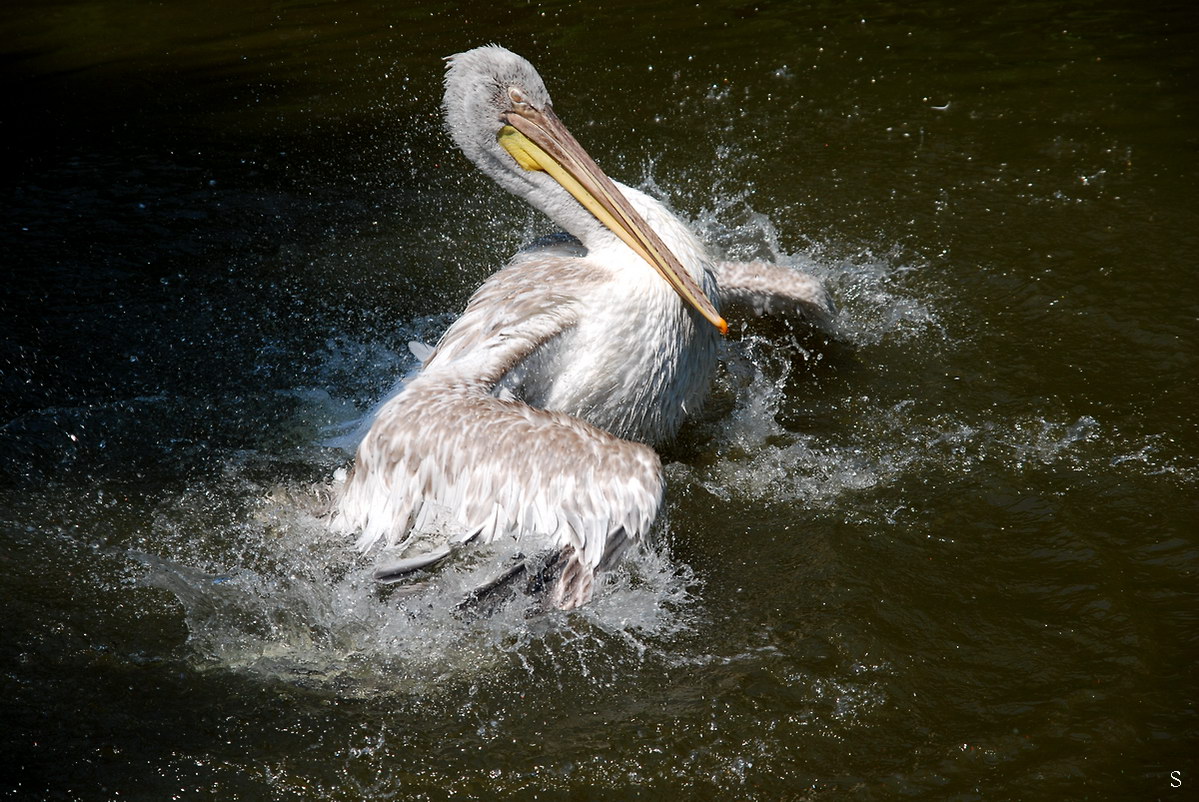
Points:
x=446, y=454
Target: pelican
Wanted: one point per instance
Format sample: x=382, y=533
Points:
x=536, y=415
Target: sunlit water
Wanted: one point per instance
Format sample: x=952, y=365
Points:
x=944, y=550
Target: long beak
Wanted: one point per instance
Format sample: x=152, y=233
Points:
x=538, y=140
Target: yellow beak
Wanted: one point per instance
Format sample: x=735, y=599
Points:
x=538, y=140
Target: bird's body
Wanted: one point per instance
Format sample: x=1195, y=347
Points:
x=591, y=370
x=534, y=415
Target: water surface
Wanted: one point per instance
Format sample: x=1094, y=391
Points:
x=948, y=553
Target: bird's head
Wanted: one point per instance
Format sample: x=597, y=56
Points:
x=498, y=111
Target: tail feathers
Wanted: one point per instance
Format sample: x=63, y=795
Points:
x=575, y=585
x=578, y=580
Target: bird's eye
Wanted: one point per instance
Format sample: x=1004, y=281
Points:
x=516, y=96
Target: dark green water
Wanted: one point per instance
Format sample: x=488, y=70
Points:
x=950, y=554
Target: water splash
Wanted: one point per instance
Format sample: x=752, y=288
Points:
x=267, y=588
x=887, y=443
x=883, y=296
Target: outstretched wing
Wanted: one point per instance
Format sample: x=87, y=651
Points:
x=769, y=289
x=446, y=454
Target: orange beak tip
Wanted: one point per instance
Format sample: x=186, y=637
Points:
x=723, y=326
